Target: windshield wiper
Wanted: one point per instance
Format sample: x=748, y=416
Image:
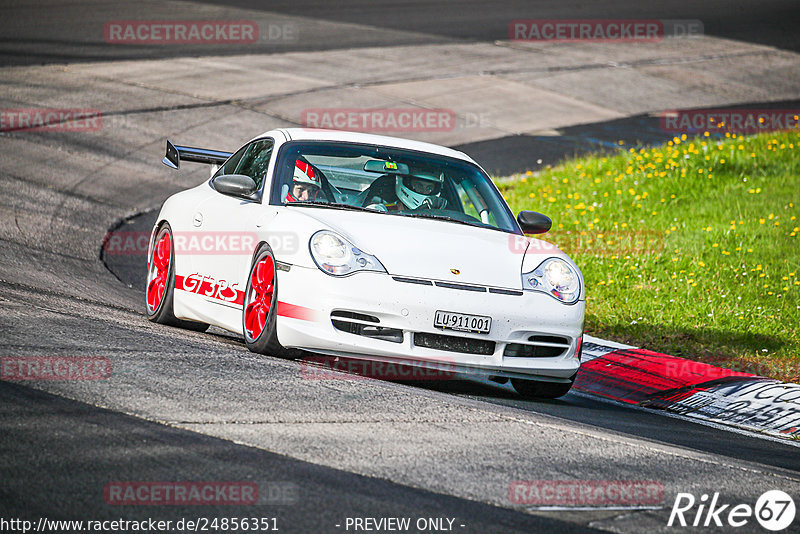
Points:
x=335, y=205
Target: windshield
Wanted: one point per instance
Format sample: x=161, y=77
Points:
x=389, y=181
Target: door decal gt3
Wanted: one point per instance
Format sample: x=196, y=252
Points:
x=227, y=293
x=210, y=287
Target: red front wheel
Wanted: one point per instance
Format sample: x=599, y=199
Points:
x=259, y=316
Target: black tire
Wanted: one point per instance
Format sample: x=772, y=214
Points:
x=266, y=342
x=535, y=389
x=162, y=313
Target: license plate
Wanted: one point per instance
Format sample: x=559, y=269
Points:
x=462, y=322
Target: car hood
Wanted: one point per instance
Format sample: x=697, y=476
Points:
x=431, y=249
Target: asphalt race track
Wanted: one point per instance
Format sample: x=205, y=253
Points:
x=181, y=406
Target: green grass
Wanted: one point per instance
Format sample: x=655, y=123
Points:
x=690, y=248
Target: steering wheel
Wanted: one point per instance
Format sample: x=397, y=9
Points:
x=433, y=203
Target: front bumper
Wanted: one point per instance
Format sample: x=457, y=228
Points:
x=409, y=308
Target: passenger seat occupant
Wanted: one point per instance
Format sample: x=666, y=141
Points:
x=306, y=183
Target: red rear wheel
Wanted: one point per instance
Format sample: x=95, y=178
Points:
x=161, y=283
x=158, y=273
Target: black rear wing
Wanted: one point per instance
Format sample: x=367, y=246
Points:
x=176, y=154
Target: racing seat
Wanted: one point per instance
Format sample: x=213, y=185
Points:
x=382, y=187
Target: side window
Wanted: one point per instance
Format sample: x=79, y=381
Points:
x=473, y=203
x=255, y=161
x=232, y=162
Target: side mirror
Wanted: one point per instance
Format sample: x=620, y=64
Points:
x=534, y=223
x=235, y=185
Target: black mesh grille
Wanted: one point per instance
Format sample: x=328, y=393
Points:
x=454, y=344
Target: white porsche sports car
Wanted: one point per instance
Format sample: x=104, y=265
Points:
x=367, y=247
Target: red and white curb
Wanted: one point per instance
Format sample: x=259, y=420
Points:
x=635, y=376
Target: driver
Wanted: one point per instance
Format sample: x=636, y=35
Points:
x=419, y=190
x=306, y=184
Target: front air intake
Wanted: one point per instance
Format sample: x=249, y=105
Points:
x=365, y=325
x=538, y=346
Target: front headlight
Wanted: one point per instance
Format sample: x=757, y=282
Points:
x=555, y=277
x=336, y=256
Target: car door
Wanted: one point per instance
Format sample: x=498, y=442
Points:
x=224, y=237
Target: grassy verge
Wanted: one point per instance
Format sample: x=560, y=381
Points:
x=691, y=248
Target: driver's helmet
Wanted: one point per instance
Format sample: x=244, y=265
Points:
x=413, y=190
x=306, y=183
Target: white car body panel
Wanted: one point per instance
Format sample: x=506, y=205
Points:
x=210, y=284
